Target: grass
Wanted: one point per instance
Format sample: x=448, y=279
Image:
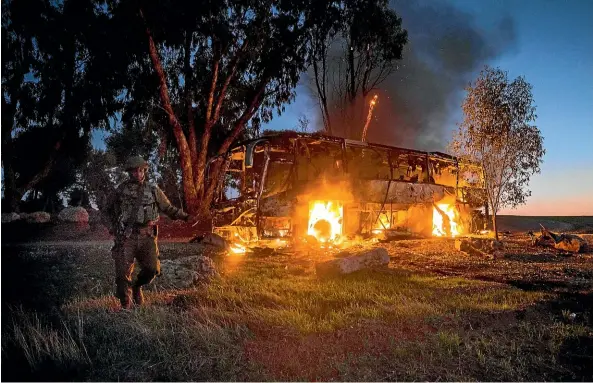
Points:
x=271, y=318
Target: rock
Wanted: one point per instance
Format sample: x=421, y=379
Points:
x=358, y=261
x=478, y=246
x=462, y=245
x=211, y=239
x=186, y=272
x=10, y=217
x=474, y=247
x=496, y=245
x=37, y=217
x=75, y=214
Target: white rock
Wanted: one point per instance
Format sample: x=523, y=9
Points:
x=75, y=214
x=38, y=217
x=364, y=259
x=186, y=272
x=10, y=217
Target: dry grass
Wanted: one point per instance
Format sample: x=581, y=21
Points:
x=271, y=318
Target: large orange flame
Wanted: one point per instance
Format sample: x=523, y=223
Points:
x=442, y=227
x=325, y=220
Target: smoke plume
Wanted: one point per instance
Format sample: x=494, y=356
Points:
x=446, y=48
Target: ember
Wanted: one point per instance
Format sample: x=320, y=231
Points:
x=446, y=221
x=325, y=220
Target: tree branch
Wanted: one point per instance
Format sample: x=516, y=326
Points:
x=246, y=116
x=215, y=67
x=188, y=83
x=184, y=152
x=222, y=94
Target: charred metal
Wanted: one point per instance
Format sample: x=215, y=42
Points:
x=268, y=183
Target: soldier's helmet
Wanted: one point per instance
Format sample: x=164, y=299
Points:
x=136, y=162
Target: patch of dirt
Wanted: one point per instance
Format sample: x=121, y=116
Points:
x=317, y=357
x=523, y=265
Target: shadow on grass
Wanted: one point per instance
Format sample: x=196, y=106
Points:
x=573, y=309
x=42, y=278
x=35, y=283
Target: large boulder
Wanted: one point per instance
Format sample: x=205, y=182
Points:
x=377, y=257
x=186, y=272
x=37, y=217
x=10, y=217
x=74, y=214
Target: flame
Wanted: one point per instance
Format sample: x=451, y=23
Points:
x=439, y=228
x=370, y=115
x=383, y=222
x=237, y=248
x=325, y=220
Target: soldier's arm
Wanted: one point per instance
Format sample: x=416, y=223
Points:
x=109, y=209
x=165, y=205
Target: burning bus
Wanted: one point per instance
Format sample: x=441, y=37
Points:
x=301, y=185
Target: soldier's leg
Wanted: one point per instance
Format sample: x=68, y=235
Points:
x=124, y=266
x=150, y=266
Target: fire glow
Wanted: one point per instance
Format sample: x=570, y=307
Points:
x=442, y=227
x=325, y=220
x=237, y=248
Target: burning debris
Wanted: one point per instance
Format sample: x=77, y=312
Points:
x=565, y=242
x=332, y=192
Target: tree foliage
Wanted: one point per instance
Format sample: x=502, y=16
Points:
x=216, y=70
x=354, y=49
x=54, y=91
x=498, y=132
x=183, y=80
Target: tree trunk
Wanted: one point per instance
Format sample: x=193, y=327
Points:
x=189, y=188
x=494, y=227
x=11, y=195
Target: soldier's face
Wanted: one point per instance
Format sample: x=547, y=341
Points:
x=138, y=174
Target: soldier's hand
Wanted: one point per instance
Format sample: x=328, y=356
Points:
x=191, y=218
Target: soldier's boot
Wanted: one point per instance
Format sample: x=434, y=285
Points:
x=138, y=295
x=123, y=293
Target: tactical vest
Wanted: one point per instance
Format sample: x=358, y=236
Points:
x=148, y=210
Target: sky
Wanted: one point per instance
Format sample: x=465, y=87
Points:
x=553, y=49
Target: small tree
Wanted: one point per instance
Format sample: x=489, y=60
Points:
x=355, y=46
x=303, y=124
x=497, y=131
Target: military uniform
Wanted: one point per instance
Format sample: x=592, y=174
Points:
x=134, y=223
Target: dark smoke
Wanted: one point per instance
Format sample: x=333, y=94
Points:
x=446, y=48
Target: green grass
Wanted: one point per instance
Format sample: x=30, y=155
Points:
x=273, y=319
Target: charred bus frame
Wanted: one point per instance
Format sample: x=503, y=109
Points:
x=264, y=181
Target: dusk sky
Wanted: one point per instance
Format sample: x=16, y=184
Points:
x=551, y=44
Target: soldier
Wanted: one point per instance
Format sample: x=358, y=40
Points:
x=134, y=213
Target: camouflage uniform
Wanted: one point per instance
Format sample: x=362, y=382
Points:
x=138, y=240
